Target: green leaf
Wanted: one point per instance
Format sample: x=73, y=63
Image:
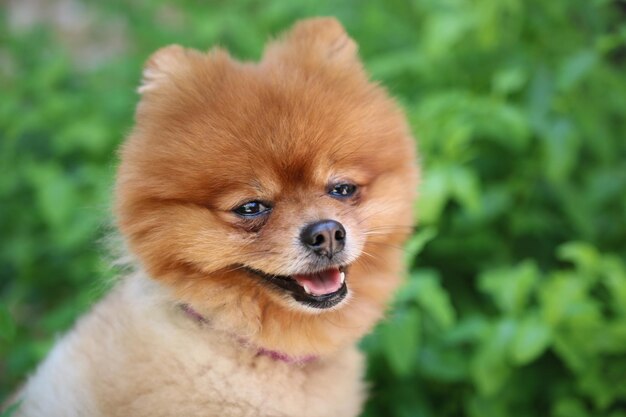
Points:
x=56, y=194
x=392, y=64
x=401, y=338
x=509, y=80
x=570, y=407
x=433, y=298
x=445, y=363
x=531, y=339
x=576, y=68
x=444, y=30
x=564, y=300
x=417, y=242
x=434, y=195
x=561, y=148
x=584, y=256
x=614, y=278
x=469, y=329
x=490, y=368
x=510, y=288
x=465, y=188
x=540, y=96
x=479, y=406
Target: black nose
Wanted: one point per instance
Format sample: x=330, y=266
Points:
x=325, y=238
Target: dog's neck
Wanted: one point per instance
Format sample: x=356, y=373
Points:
x=260, y=351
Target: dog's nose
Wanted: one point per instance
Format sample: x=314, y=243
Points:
x=325, y=238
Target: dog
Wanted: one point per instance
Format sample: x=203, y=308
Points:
x=264, y=206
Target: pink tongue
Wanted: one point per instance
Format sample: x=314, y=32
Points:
x=321, y=283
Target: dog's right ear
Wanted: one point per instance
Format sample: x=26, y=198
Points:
x=173, y=61
x=162, y=64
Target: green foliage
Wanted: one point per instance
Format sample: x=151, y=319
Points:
x=515, y=303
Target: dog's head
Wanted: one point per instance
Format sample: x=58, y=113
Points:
x=272, y=196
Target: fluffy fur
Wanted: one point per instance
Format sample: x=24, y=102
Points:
x=211, y=133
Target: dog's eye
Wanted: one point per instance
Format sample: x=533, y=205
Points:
x=252, y=209
x=343, y=190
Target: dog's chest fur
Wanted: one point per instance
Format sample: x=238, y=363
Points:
x=136, y=355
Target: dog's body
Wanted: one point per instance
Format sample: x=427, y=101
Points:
x=265, y=205
x=152, y=359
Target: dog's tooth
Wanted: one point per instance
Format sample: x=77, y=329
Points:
x=342, y=277
x=306, y=289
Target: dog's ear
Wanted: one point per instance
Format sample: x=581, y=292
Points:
x=321, y=39
x=164, y=63
x=173, y=61
x=160, y=66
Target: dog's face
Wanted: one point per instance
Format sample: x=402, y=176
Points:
x=281, y=187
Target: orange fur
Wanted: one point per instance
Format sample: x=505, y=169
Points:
x=214, y=131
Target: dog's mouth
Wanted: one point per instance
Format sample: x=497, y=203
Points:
x=322, y=289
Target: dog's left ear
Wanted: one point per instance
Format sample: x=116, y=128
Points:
x=321, y=40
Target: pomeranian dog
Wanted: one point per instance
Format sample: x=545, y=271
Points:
x=264, y=206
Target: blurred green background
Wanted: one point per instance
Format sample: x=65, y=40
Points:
x=515, y=303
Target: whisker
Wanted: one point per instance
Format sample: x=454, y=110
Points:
x=370, y=257
x=389, y=245
x=370, y=215
x=236, y=268
x=375, y=233
x=392, y=227
x=366, y=253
